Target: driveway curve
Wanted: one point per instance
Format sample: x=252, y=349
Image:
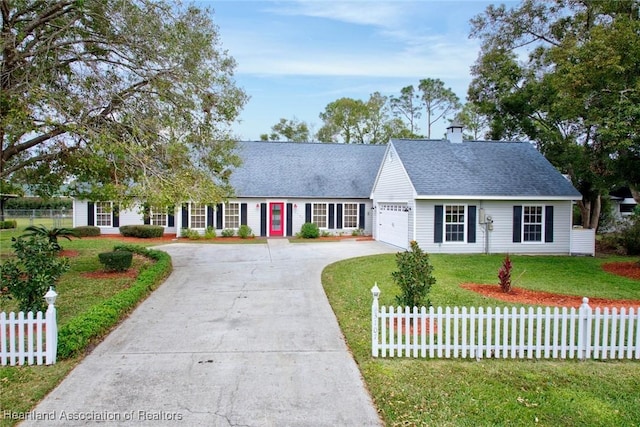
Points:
x=238, y=335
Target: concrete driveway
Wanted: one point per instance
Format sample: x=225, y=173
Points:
x=238, y=335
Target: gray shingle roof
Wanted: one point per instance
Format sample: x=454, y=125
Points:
x=314, y=170
x=494, y=169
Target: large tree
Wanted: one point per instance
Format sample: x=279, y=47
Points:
x=123, y=98
x=288, y=130
x=353, y=121
x=408, y=106
x=566, y=75
x=438, y=101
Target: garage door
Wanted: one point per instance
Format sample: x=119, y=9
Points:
x=393, y=224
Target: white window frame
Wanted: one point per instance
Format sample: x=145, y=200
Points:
x=315, y=216
x=158, y=216
x=456, y=223
x=193, y=215
x=232, y=216
x=100, y=214
x=525, y=224
x=355, y=216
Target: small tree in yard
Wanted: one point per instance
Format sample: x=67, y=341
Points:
x=414, y=277
x=37, y=267
x=504, y=275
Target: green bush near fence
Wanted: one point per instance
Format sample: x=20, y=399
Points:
x=8, y=224
x=76, y=335
x=142, y=231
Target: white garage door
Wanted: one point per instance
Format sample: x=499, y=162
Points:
x=393, y=224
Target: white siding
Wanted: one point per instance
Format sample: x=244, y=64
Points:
x=501, y=237
x=80, y=215
x=131, y=216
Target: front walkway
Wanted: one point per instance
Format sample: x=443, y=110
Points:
x=238, y=335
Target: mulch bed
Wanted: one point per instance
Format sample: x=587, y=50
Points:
x=526, y=296
x=629, y=269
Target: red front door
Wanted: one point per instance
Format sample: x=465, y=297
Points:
x=276, y=216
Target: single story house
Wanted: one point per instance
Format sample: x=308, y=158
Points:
x=448, y=195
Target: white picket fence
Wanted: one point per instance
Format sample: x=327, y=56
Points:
x=29, y=339
x=563, y=333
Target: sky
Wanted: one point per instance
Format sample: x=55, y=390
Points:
x=295, y=57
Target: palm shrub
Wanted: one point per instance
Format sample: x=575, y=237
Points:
x=52, y=234
x=414, y=277
x=36, y=267
x=504, y=275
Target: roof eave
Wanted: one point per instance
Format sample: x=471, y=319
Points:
x=486, y=197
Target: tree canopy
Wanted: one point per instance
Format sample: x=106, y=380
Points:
x=123, y=99
x=566, y=75
x=288, y=130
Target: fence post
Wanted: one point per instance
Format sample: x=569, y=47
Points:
x=52, y=327
x=375, y=291
x=584, y=329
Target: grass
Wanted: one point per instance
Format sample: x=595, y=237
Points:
x=22, y=387
x=489, y=392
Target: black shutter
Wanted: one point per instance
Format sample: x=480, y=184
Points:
x=219, y=208
x=361, y=213
x=332, y=214
x=171, y=221
x=209, y=222
x=548, y=224
x=437, y=224
x=471, y=224
x=185, y=215
x=91, y=213
x=263, y=219
x=339, y=216
x=517, y=224
x=289, y=219
x=243, y=214
x=307, y=212
x=146, y=214
x=115, y=217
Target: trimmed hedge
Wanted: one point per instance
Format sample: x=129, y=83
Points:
x=309, y=230
x=10, y=223
x=97, y=321
x=116, y=260
x=87, y=231
x=142, y=231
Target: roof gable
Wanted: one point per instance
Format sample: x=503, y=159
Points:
x=483, y=169
x=312, y=170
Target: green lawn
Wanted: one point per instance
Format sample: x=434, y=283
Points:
x=489, y=392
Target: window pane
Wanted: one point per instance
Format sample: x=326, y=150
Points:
x=103, y=214
x=232, y=215
x=320, y=215
x=158, y=216
x=350, y=214
x=532, y=224
x=454, y=223
x=198, y=217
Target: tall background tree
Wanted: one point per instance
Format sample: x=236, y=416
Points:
x=288, y=130
x=126, y=99
x=437, y=100
x=566, y=75
x=353, y=121
x=408, y=106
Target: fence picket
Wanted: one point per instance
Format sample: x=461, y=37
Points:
x=23, y=341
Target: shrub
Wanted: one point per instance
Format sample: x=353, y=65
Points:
x=94, y=323
x=190, y=234
x=630, y=237
x=51, y=234
x=414, y=277
x=504, y=275
x=245, y=232
x=119, y=260
x=210, y=233
x=145, y=231
x=87, y=231
x=357, y=232
x=309, y=230
x=9, y=223
x=228, y=232
x=36, y=268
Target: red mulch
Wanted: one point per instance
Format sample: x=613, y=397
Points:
x=629, y=269
x=525, y=296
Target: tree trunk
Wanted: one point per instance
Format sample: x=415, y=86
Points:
x=590, y=211
x=596, y=206
x=635, y=192
x=585, y=212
